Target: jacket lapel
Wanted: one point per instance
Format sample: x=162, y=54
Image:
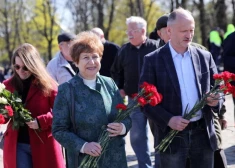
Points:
x=197, y=68
x=170, y=67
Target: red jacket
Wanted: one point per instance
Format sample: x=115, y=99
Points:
x=44, y=155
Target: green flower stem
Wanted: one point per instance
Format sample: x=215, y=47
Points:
x=38, y=136
x=163, y=145
x=90, y=161
x=104, y=139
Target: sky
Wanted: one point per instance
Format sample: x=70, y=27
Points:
x=65, y=16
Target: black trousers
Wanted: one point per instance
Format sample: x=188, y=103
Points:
x=219, y=159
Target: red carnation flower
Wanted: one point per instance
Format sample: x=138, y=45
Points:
x=217, y=77
x=233, y=77
x=224, y=89
x=2, y=119
x=142, y=101
x=231, y=89
x=10, y=110
x=148, y=88
x=155, y=99
x=226, y=75
x=121, y=106
x=134, y=95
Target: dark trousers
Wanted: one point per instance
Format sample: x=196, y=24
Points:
x=219, y=159
x=24, y=156
x=155, y=135
x=195, y=145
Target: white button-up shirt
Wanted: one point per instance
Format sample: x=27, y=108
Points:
x=187, y=81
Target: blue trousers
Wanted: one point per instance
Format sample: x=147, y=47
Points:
x=23, y=156
x=195, y=145
x=139, y=138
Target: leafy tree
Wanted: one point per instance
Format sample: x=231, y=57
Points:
x=44, y=21
x=10, y=23
x=123, y=10
x=28, y=21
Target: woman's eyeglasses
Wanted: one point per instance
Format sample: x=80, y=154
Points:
x=17, y=67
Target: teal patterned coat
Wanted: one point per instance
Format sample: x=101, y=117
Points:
x=93, y=109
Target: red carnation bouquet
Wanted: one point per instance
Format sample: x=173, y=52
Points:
x=147, y=95
x=222, y=86
x=11, y=107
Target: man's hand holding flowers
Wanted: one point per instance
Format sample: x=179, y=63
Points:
x=213, y=100
x=178, y=123
x=222, y=86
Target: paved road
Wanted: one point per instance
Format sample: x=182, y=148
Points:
x=228, y=140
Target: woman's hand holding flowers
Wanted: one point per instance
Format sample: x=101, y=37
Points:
x=147, y=95
x=93, y=149
x=114, y=129
x=33, y=124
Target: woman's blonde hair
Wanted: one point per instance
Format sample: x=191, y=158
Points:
x=33, y=62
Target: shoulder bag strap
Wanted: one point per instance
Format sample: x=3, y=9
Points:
x=72, y=117
x=69, y=71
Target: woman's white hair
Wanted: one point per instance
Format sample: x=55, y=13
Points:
x=139, y=21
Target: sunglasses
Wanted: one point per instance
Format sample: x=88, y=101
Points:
x=17, y=67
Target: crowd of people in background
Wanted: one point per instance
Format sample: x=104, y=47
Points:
x=93, y=75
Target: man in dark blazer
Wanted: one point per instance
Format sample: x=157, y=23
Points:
x=229, y=55
x=182, y=74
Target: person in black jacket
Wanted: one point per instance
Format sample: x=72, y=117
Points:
x=109, y=54
x=229, y=55
x=126, y=72
x=1, y=74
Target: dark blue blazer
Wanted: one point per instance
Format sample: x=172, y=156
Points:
x=159, y=69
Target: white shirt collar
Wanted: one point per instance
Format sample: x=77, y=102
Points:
x=174, y=53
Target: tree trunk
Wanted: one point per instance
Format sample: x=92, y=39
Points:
x=233, y=7
x=7, y=33
x=221, y=16
x=132, y=7
x=100, y=14
x=203, y=27
x=184, y=4
x=49, y=49
x=172, y=5
x=110, y=21
x=140, y=8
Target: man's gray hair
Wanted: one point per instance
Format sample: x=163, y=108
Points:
x=178, y=11
x=140, y=22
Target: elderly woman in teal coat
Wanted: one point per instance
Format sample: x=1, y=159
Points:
x=95, y=98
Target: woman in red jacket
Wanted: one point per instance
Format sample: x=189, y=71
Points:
x=23, y=148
